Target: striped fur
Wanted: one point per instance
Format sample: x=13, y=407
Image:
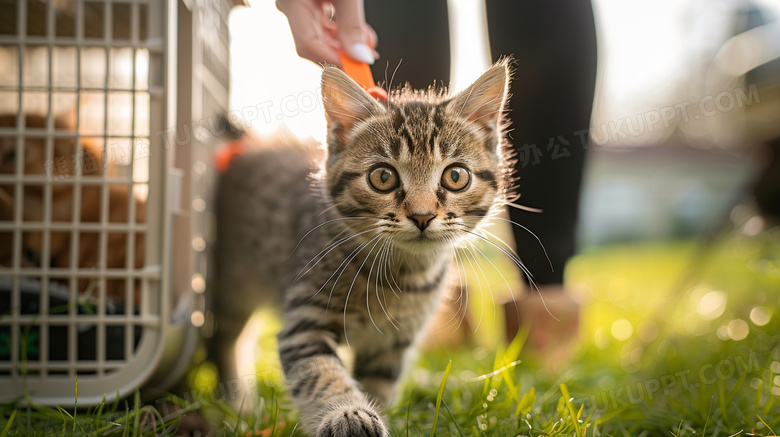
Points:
x=367, y=267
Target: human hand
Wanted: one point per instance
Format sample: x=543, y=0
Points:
x=322, y=28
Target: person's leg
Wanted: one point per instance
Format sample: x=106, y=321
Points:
x=414, y=33
x=554, y=46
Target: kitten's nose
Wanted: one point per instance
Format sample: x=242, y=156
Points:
x=422, y=220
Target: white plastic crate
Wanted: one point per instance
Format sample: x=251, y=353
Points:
x=102, y=257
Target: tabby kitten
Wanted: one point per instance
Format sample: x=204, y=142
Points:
x=356, y=245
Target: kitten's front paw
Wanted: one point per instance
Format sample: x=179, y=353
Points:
x=352, y=421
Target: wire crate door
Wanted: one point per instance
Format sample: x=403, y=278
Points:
x=84, y=215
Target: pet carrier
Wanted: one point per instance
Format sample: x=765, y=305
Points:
x=104, y=212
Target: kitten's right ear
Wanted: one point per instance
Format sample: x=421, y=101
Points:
x=346, y=103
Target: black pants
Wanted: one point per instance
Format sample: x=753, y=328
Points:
x=554, y=47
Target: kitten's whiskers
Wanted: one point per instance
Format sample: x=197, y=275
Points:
x=368, y=282
x=319, y=226
x=523, y=207
x=349, y=292
x=460, y=292
x=329, y=249
x=390, y=257
x=520, y=264
x=525, y=229
x=509, y=287
x=343, y=267
x=380, y=256
x=479, y=284
x=346, y=260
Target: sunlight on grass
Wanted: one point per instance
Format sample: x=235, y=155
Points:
x=674, y=340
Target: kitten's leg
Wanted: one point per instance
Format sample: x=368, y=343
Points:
x=232, y=311
x=330, y=402
x=223, y=350
x=378, y=372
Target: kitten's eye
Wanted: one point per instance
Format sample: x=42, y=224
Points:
x=383, y=179
x=455, y=178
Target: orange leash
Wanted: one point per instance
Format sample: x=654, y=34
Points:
x=361, y=73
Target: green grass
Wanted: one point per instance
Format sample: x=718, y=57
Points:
x=667, y=347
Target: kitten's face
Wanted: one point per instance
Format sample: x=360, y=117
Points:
x=422, y=170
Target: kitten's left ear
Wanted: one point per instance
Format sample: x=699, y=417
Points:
x=346, y=102
x=483, y=102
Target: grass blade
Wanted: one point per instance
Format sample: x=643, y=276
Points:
x=439, y=395
x=707, y=421
x=76, y=403
x=574, y=416
x=276, y=415
x=526, y=403
x=721, y=403
x=96, y=418
x=767, y=425
x=771, y=402
x=452, y=416
x=8, y=425
x=409, y=411
x=136, y=414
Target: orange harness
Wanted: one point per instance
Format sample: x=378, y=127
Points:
x=226, y=153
